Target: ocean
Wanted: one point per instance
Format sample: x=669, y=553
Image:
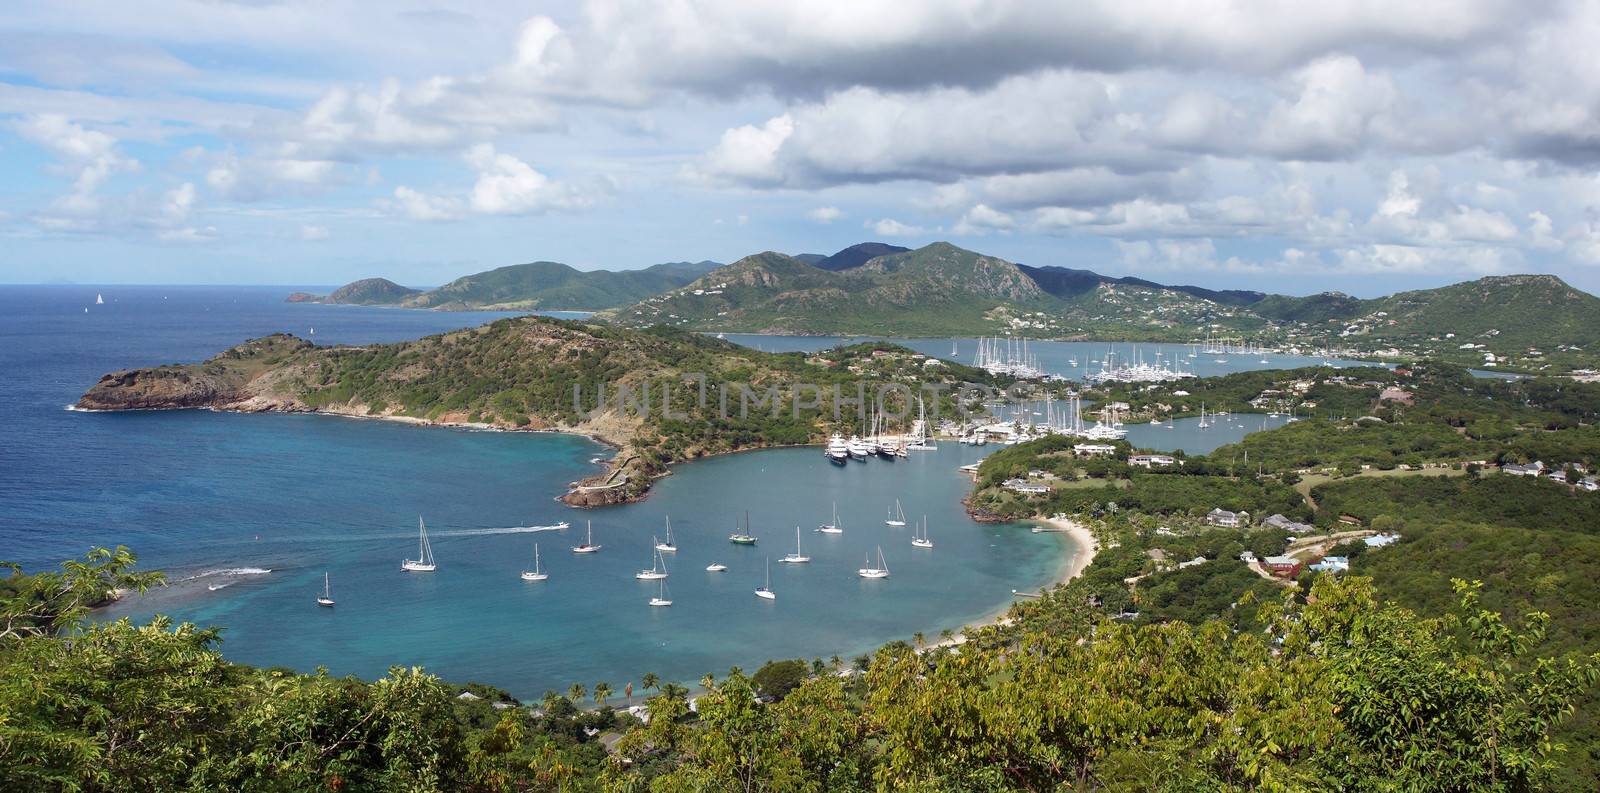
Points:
x=247, y=512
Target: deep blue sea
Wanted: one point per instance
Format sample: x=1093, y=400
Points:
x=246, y=513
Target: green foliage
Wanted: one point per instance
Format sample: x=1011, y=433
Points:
x=775, y=679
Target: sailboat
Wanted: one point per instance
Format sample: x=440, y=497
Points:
x=535, y=574
x=588, y=545
x=661, y=598
x=897, y=517
x=881, y=571
x=667, y=547
x=834, y=527
x=765, y=591
x=1203, y=423
x=424, y=561
x=658, y=566
x=796, y=557
x=326, y=598
x=98, y=300
x=743, y=537
x=922, y=541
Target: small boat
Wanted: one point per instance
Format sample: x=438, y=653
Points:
x=588, y=545
x=716, y=567
x=834, y=527
x=896, y=517
x=661, y=598
x=765, y=591
x=796, y=557
x=326, y=598
x=743, y=537
x=424, y=562
x=535, y=574
x=837, y=451
x=667, y=547
x=98, y=300
x=922, y=541
x=881, y=571
x=658, y=566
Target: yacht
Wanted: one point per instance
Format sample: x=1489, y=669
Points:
x=765, y=591
x=658, y=566
x=661, y=598
x=881, y=571
x=838, y=451
x=535, y=574
x=921, y=541
x=326, y=598
x=668, y=546
x=716, y=567
x=588, y=545
x=834, y=527
x=856, y=447
x=743, y=537
x=796, y=557
x=896, y=517
x=424, y=562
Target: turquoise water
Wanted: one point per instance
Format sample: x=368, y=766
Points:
x=219, y=499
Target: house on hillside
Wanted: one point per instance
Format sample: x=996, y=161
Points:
x=1380, y=540
x=1094, y=449
x=1534, y=468
x=1278, y=521
x=1152, y=460
x=1231, y=520
x=1023, y=486
x=1282, y=566
x=1332, y=564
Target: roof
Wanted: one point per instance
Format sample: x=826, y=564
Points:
x=1280, y=561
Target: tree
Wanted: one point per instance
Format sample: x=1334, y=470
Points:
x=51, y=603
x=776, y=679
x=650, y=681
x=577, y=692
x=602, y=692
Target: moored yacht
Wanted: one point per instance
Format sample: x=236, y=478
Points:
x=869, y=571
x=856, y=447
x=837, y=451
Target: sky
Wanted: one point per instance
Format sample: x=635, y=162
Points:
x=1294, y=147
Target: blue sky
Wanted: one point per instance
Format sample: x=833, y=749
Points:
x=1362, y=146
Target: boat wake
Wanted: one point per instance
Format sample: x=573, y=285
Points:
x=503, y=530
x=227, y=572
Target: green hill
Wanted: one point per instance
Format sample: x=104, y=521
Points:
x=552, y=285
x=365, y=292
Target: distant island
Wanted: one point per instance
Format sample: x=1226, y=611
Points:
x=1533, y=324
x=687, y=395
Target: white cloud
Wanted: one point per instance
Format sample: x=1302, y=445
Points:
x=825, y=214
x=889, y=227
x=509, y=186
x=417, y=205
x=313, y=233
x=982, y=219
x=88, y=157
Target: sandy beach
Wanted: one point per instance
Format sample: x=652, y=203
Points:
x=1071, y=567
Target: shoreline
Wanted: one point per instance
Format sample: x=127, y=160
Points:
x=1085, y=548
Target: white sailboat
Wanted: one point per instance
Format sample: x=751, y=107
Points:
x=424, y=562
x=796, y=557
x=667, y=547
x=834, y=527
x=588, y=545
x=661, y=598
x=658, y=566
x=765, y=591
x=881, y=571
x=98, y=300
x=1203, y=423
x=326, y=598
x=535, y=574
x=922, y=541
x=897, y=516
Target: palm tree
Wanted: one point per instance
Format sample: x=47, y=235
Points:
x=650, y=681
x=549, y=700
x=602, y=690
x=576, y=693
x=947, y=634
x=918, y=638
